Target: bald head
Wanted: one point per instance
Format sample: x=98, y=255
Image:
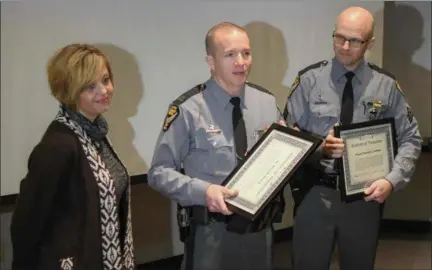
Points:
x=210, y=43
x=353, y=36
x=357, y=18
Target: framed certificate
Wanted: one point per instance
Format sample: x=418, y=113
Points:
x=370, y=149
x=267, y=168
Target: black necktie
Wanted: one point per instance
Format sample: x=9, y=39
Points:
x=347, y=108
x=239, y=129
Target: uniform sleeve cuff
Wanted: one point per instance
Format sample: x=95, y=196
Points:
x=396, y=180
x=199, y=191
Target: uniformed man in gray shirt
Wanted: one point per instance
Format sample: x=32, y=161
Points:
x=317, y=101
x=198, y=136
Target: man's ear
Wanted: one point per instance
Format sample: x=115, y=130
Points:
x=371, y=43
x=210, y=61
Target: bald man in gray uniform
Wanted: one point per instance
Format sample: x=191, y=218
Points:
x=318, y=100
x=198, y=136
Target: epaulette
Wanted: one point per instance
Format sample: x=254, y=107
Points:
x=296, y=82
x=378, y=69
x=173, y=111
x=381, y=70
x=260, y=88
x=319, y=64
x=387, y=73
x=188, y=94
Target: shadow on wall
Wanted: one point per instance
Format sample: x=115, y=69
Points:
x=375, y=55
x=150, y=211
x=269, y=59
x=269, y=66
x=128, y=92
x=403, y=37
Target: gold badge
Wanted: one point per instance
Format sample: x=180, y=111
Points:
x=172, y=114
x=377, y=104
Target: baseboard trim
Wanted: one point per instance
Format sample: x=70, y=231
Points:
x=138, y=179
x=8, y=200
x=173, y=262
x=406, y=226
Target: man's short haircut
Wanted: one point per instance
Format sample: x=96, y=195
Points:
x=209, y=39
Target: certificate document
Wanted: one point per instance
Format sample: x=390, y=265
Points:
x=370, y=149
x=275, y=157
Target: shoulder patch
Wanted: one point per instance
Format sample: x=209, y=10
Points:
x=319, y=64
x=410, y=114
x=172, y=114
x=174, y=110
x=381, y=70
x=260, y=88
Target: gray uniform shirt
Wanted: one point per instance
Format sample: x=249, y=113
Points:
x=200, y=140
x=314, y=104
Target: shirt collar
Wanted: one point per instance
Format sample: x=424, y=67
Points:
x=339, y=70
x=221, y=96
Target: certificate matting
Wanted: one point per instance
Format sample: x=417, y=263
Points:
x=370, y=149
x=267, y=168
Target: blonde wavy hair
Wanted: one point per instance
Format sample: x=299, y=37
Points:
x=72, y=69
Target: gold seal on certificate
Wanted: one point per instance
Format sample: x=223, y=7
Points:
x=370, y=149
x=267, y=168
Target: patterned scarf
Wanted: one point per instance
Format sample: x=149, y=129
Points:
x=112, y=256
x=96, y=130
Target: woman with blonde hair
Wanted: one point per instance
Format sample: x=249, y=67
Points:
x=73, y=210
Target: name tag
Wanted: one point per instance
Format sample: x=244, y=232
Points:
x=320, y=102
x=213, y=130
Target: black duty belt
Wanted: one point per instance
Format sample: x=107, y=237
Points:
x=218, y=217
x=202, y=215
